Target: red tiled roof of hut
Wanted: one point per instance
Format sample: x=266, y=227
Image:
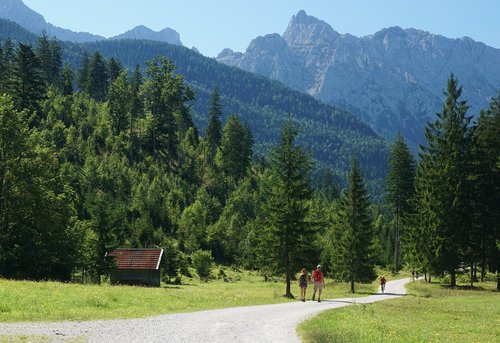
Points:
x=137, y=258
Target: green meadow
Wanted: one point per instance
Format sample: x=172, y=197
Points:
x=429, y=313
x=52, y=301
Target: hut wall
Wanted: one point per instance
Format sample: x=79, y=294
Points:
x=141, y=277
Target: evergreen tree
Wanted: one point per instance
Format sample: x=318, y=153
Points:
x=483, y=246
x=165, y=97
x=401, y=188
x=353, y=257
x=67, y=80
x=119, y=101
x=29, y=86
x=324, y=185
x=136, y=109
x=214, y=129
x=235, y=149
x=36, y=237
x=82, y=77
x=443, y=187
x=98, y=77
x=6, y=67
x=50, y=55
x=114, y=68
x=287, y=234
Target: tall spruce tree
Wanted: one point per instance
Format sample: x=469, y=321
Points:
x=483, y=246
x=287, y=235
x=166, y=97
x=28, y=83
x=353, y=257
x=98, y=77
x=235, y=149
x=214, y=128
x=401, y=188
x=6, y=67
x=443, y=191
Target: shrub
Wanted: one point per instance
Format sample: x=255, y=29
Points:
x=202, y=261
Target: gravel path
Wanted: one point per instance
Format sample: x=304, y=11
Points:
x=263, y=323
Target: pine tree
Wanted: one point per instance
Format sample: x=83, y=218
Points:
x=114, y=68
x=82, y=76
x=136, y=109
x=166, y=97
x=36, y=239
x=401, y=187
x=28, y=86
x=235, y=149
x=67, y=80
x=6, y=67
x=214, y=128
x=98, y=77
x=443, y=187
x=119, y=102
x=353, y=259
x=486, y=185
x=50, y=55
x=288, y=191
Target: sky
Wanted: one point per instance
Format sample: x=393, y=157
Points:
x=212, y=25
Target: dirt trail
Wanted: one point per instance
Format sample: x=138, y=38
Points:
x=263, y=323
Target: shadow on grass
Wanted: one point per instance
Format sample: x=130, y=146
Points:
x=467, y=288
x=171, y=287
x=397, y=294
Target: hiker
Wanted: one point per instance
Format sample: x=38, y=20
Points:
x=319, y=282
x=382, y=283
x=413, y=275
x=303, y=282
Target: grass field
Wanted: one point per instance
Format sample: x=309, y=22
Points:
x=430, y=313
x=52, y=301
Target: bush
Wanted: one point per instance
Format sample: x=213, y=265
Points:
x=202, y=262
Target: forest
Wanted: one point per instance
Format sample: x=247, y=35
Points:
x=330, y=134
x=104, y=156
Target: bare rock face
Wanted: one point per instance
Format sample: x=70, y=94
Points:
x=393, y=79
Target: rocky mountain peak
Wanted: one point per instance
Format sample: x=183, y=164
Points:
x=268, y=42
x=304, y=29
x=392, y=79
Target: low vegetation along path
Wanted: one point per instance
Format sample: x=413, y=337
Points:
x=263, y=323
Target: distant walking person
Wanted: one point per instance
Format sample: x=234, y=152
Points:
x=382, y=283
x=303, y=281
x=319, y=282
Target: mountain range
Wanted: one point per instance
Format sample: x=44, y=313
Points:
x=393, y=79
x=18, y=12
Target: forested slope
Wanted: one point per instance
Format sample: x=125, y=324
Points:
x=332, y=135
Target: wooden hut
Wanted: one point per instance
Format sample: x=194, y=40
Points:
x=136, y=267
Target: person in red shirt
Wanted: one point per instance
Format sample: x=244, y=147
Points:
x=319, y=282
x=382, y=283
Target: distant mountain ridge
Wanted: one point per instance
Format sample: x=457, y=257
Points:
x=166, y=35
x=18, y=12
x=393, y=79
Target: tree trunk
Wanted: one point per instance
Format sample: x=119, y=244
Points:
x=288, y=293
x=352, y=286
x=453, y=281
x=396, y=243
x=472, y=274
